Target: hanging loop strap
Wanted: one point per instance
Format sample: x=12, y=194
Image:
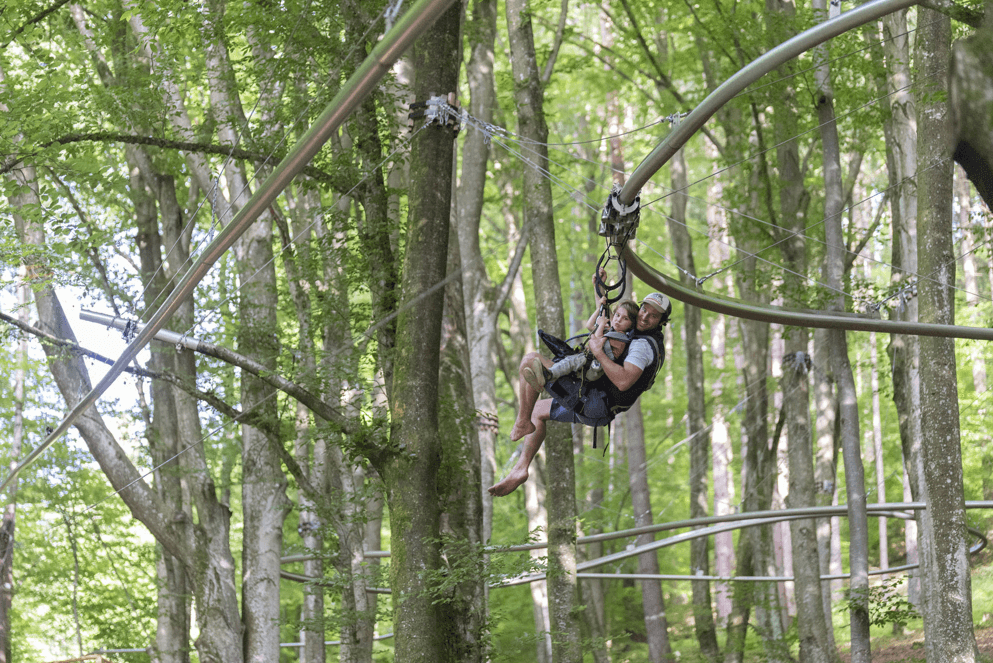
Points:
x=604, y=288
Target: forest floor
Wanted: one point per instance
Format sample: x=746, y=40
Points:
x=910, y=648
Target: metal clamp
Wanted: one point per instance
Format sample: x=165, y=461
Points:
x=619, y=222
x=439, y=111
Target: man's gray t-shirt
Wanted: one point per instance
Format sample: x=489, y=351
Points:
x=640, y=353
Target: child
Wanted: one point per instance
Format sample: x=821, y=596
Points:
x=620, y=322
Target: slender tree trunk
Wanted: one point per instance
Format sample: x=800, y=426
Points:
x=848, y=404
x=7, y=528
x=963, y=197
x=173, y=627
x=534, y=489
x=593, y=591
x=900, y=131
x=945, y=564
x=652, y=597
x=758, y=463
x=720, y=435
x=561, y=483
x=479, y=313
x=309, y=447
x=534, y=499
x=811, y=624
x=825, y=461
x=462, y=515
x=877, y=450
x=264, y=501
x=841, y=368
x=696, y=427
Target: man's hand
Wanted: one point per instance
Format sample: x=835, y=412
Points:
x=595, y=345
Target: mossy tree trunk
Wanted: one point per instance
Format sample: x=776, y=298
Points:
x=418, y=469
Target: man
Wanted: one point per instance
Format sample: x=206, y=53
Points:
x=620, y=385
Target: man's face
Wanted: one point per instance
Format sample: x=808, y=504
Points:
x=648, y=318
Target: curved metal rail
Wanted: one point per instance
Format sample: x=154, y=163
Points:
x=759, y=67
x=678, y=137
x=410, y=26
x=723, y=523
x=796, y=317
x=747, y=522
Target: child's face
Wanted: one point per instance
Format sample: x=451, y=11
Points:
x=621, y=321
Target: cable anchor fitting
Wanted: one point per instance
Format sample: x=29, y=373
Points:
x=439, y=111
x=619, y=222
x=130, y=330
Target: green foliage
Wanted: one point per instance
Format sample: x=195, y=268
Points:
x=886, y=604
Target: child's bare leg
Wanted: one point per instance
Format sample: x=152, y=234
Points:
x=528, y=397
x=519, y=473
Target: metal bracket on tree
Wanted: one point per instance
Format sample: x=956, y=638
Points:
x=439, y=111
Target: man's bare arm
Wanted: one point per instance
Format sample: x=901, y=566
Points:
x=623, y=376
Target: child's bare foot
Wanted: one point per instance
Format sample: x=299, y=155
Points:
x=510, y=483
x=520, y=429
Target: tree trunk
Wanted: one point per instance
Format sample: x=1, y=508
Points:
x=7, y=528
x=310, y=447
x=522, y=337
x=479, y=310
x=652, y=597
x=537, y=194
x=947, y=588
x=462, y=502
x=970, y=101
x=164, y=440
x=834, y=273
x=264, y=501
x=758, y=462
x=877, y=451
x=900, y=131
x=825, y=461
x=696, y=425
x=811, y=625
x=720, y=435
x=420, y=472
x=796, y=392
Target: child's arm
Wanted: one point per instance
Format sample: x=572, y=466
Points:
x=601, y=303
x=591, y=324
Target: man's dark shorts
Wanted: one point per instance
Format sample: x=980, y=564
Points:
x=559, y=413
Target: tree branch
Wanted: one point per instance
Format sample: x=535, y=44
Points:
x=559, y=36
x=36, y=19
x=854, y=253
x=971, y=16
x=664, y=84
x=515, y=264
x=91, y=251
x=185, y=146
